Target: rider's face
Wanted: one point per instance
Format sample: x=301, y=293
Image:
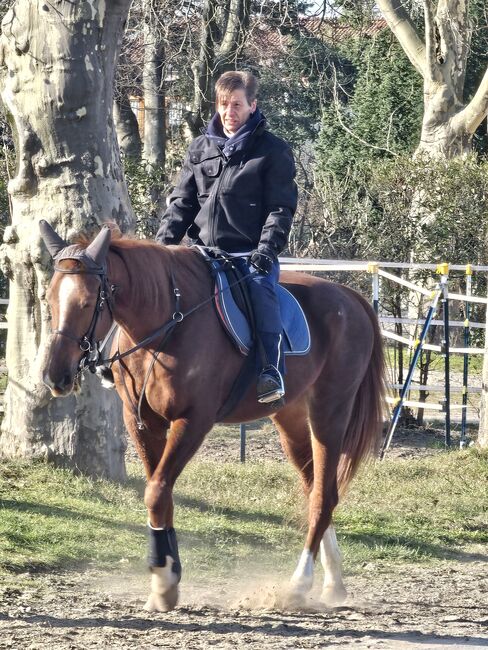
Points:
x=234, y=110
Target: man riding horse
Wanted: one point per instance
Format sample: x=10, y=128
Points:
x=237, y=193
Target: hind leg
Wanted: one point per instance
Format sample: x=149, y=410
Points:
x=329, y=425
x=295, y=434
x=333, y=591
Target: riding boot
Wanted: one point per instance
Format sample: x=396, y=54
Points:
x=270, y=386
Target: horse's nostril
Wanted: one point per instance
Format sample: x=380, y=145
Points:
x=57, y=386
x=47, y=379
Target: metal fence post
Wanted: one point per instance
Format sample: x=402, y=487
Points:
x=443, y=269
x=467, y=338
x=243, y=442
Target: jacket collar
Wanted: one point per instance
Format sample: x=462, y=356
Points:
x=238, y=140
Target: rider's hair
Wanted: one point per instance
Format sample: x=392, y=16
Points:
x=235, y=80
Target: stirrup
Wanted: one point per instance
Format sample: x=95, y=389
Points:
x=270, y=386
x=274, y=396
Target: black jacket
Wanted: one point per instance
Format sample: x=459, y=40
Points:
x=236, y=203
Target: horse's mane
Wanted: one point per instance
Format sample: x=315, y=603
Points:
x=147, y=264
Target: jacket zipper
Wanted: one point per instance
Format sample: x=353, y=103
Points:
x=213, y=217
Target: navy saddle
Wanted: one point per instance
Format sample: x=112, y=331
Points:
x=296, y=334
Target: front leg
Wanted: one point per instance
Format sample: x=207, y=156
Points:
x=183, y=440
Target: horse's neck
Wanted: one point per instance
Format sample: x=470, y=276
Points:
x=143, y=296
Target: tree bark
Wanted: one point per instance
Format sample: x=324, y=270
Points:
x=57, y=74
x=153, y=92
x=223, y=34
x=127, y=128
x=448, y=123
x=202, y=68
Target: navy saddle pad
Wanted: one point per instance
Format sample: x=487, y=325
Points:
x=296, y=335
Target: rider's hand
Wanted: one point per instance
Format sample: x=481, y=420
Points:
x=261, y=262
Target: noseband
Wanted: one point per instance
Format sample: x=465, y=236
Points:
x=87, y=343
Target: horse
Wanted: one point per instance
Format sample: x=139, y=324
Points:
x=173, y=369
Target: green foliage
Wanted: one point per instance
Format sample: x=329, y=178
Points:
x=378, y=115
x=292, y=92
x=145, y=184
x=148, y=187
x=438, y=207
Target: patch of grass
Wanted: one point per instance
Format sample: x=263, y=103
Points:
x=433, y=507
x=51, y=518
x=232, y=515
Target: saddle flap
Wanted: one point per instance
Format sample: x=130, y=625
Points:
x=296, y=339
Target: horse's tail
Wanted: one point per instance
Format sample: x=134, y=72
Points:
x=363, y=431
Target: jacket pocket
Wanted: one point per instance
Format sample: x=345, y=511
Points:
x=205, y=166
x=211, y=167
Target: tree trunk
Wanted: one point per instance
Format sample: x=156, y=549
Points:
x=153, y=92
x=57, y=76
x=127, y=128
x=223, y=34
x=154, y=151
x=202, y=68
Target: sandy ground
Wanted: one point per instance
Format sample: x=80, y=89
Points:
x=416, y=607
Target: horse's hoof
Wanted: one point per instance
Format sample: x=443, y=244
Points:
x=162, y=602
x=333, y=596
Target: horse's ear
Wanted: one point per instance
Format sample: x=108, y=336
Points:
x=54, y=243
x=97, y=250
x=114, y=229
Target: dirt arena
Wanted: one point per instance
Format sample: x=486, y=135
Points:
x=441, y=606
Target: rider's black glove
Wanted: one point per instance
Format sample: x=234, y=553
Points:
x=262, y=262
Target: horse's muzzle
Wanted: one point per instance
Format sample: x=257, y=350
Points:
x=59, y=386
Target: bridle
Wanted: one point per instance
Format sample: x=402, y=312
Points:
x=87, y=343
x=93, y=349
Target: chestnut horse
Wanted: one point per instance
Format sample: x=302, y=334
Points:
x=330, y=421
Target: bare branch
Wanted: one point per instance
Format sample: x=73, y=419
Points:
x=474, y=113
x=430, y=40
x=402, y=26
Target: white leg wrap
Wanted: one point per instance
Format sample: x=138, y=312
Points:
x=334, y=591
x=302, y=579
